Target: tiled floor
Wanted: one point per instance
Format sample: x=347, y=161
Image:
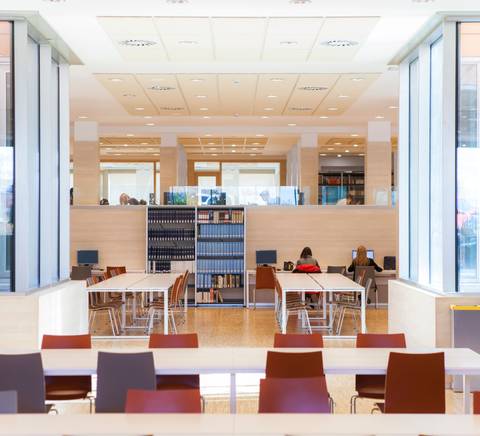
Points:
x=237, y=327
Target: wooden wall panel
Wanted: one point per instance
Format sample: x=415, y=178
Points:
x=117, y=232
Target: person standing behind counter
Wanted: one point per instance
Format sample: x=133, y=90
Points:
x=362, y=260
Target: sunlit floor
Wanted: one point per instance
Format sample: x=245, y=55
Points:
x=237, y=327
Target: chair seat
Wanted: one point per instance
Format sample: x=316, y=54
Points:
x=370, y=386
x=375, y=393
x=59, y=388
x=71, y=394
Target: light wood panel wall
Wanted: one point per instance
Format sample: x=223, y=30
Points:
x=117, y=232
x=86, y=173
x=168, y=169
x=309, y=174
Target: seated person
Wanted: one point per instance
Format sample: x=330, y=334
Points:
x=363, y=260
x=307, y=263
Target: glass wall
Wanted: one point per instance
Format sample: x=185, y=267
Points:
x=6, y=158
x=55, y=114
x=468, y=157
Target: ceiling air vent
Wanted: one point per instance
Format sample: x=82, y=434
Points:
x=339, y=43
x=313, y=88
x=161, y=88
x=300, y=109
x=137, y=42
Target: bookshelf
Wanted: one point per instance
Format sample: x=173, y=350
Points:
x=333, y=186
x=220, y=256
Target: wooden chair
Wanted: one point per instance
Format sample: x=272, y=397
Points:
x=95, y=305
x=264, y=281
x=352, y=304
x=294, y=305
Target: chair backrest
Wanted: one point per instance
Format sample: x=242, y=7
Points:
x=23, y=373
x=184, y=340
x=163, y=401
x=265, y=277
x=293, y=395
x=113, y=271
x=368, y=273
x=8, y=402
x=380, y=340
x=415, y=383
x=66, y=341
x=476, y=403
x=298, y=340
x=173, y=295
x=81, y=272
x=337, y=269
x=294, y=365
x=278, y=290
x=119, y=372
x=183, y=286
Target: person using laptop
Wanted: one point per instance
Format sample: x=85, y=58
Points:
x=307, y=263
x=362, y=259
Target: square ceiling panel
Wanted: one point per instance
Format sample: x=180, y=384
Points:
x=237, y=93
x=201, y=93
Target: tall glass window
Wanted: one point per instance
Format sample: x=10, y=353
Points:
x=55, y=114
x=6, y=158
x=436, y=192
x=468, y=158
x=413, y=166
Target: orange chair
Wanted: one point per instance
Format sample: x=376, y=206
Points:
x=476, y=403
x=415, y=383
x=174, y=382
x=295, y=340
x=113, y=271
x=264, y=281
x=167, y=401
x=373, y=386
x=62, y=388
x=293, y=395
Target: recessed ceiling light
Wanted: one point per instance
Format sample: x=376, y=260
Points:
x=361, y=154
x=208, y=134
x=83, y=117
x=276, y=79
x=379, y=117
x=156, y=154
x=355, y=145
x=201, y=96
x=330, y=149
x=147, y=117
x=265, y=117
x=139, y=108
x=323, y=154
x=130, y=135
x=206, y=117
x=357, y=79
x=268, y=108
x=172, y=108
x=236, y=114
x=300, y=2
x=177, y=2
x=347, y=151
x=337, y=143
x=137, y=42
x=323, y=117
x=332, y=109
x=289, y=43
x=212, y=148
x=204, y=108
x=393, y=107
x=313, y=88
x=108, y=148
x=252, y=154
x=150, y=149
x=234, y=151
x=354, y=135
x=125, y=145
x=144, y=143
x=343, y=96
x=234, y=145
x=272, y=96
x=255, y=148
x=161, y=88
x=196, y=80
x=259, y=135
x=339, y=155
x=115, y=79
x=188, y=42
x=423, y=1
x=117, y=154
x=150, y=124
x=339, y=43
x=214, y=154
x=211, y=143
x=291, y=124
x=256, y=143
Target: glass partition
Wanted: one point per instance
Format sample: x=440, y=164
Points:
x=6, y=158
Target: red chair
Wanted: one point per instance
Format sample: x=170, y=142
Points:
x=167, y=401
x=264, y=281
x=173, y=382
x=293, y=395
x=115, y=270
x=373, y=386
x=298, y=340
x=415, y=383
x=294, y=365
x=62, y=388
x=476, y=403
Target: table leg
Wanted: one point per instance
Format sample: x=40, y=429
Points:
x=124, y=311
x=284, y=312
x=233, y=393
x=467, y=403
x=165, y=313
x=363, y=312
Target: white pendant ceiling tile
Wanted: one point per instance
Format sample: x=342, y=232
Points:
x=309, y=92
x=273, y=92
x=290, y=39
x=164, y=92
x=238, y=39
x=201, y=93
x=134, y=29
x=186, y=39
x=355, y=30
x=237, y=93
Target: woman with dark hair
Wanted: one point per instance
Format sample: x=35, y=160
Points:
x=307, y=263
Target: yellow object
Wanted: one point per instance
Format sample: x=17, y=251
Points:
x=456, y=307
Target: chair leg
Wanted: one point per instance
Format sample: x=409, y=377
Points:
x=91, y=399
x=332, y=404
x=353, y=404
x=174, y=327
x=307, y=321
x=376, y=297
x=93, y=321
x=111, y=322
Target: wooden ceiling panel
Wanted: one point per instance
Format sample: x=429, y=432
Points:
x=237, y=93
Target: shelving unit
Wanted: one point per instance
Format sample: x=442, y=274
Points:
x=333, y=186
x=220, y=256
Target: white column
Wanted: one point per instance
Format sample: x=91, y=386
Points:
x=308, y=167
x=378, y=163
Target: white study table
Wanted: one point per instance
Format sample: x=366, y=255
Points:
x=344, y=361
x=253, y=424
x=319, y=282
x=138, y=282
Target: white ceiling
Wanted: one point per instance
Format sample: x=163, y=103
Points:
x=251, y=39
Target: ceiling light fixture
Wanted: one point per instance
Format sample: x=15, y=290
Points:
x=268, y=108
x=332, y=109
x=323, y=154
x=313, y=88
x=125, y=145
x=206, y=117
x=300, y=109
x=343, y=96
x=196, y=80
x=137, y=42
x=339, y=155
x=347, y=151
x=82, y=117
x=323, y=117
x=291, y=124
x=211, y=143
x=201, y=96
x=128, y=95
x=361, y=154
x=188, y=42
x=265, y=116
x=234, y=151
x=339, y=43
x=115, y=79
x=330, y=149
x=212, y=148
x=147, y=117
x=300, y=2
x=289, y=43
x=204, y=108
x=161, y=88
x=393, y=107
x=172, y=108
x=234, y=145
x=255, y=148
x=337, y=143
x=150, y=124
x=139, y=108
x=355, y=145
x=276, y=79
x=130, y=135
x=379, y=117
x=256, y=143
x=357, y=79
x=177, y=2
x=144, y=143
x=272, y=96
x=208, y=135
x=252, y=154
x=259, y=135
x=354, y=135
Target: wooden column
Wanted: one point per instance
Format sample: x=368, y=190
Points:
x=168, y=163
x=308, y=167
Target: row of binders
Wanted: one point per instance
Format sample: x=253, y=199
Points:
x=220, y=249
x=220, y=231
x=220, y=216
x=171, y=253
x=171, y=234
x=159, y=215
x=220, y=266
x=219, y=281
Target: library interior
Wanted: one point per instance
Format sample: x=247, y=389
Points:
x=242, y=212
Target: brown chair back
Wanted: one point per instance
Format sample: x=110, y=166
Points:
x=298, y=340
x=476, y=403
x=23, y=373
x=293, y=395
x=265, y=277
x=294, y=365
x=415, y=383
x=186, y=340
x=336, y=269
x=116, y=270
x=81, y=272
x=369, y=273
x=164, y=401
